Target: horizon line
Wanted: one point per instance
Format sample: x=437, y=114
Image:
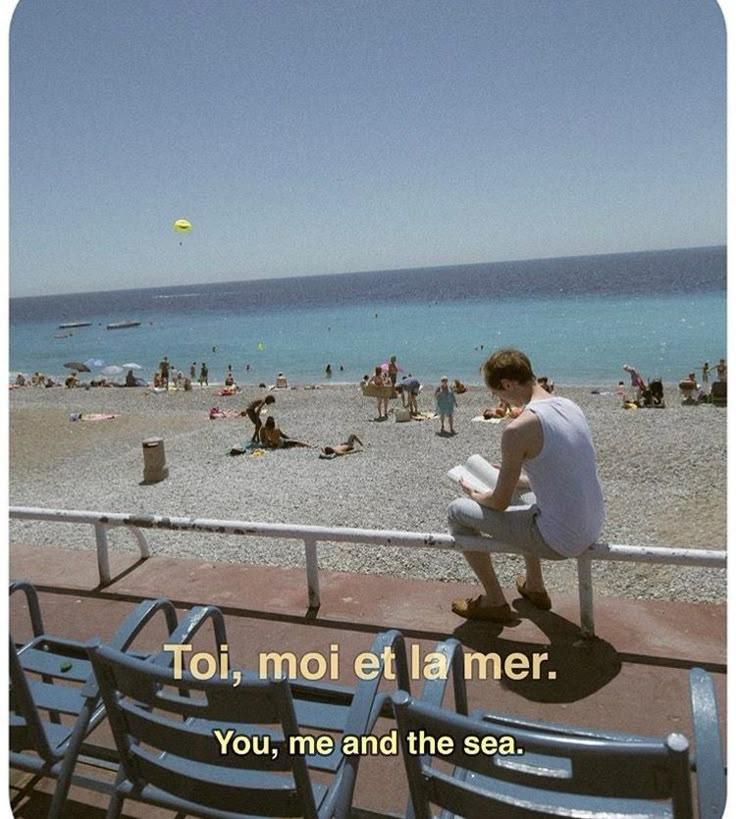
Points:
x=359, y=272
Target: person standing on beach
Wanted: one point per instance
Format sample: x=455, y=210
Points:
x=706, y=374
x=409, y=389
x=721, y=369
x=548, y=448
x=163, y=367
x=393, y=371
x=637, y=382
x=193, y=371
x=445, y=402
x=204, y=375
x=380, y=381
x=253, y=411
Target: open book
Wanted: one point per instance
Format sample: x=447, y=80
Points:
x=482, y=476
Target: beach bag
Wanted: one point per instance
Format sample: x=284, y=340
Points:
x=402, y=415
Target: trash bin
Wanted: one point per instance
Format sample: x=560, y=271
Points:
x=154, y=460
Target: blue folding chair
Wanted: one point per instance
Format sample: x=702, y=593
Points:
x=561, y=770
x=54, y=701
x=165, y=731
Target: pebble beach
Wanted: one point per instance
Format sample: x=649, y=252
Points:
x=663, y=473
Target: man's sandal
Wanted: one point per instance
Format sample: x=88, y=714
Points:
x=538, y=599
x=472, y=609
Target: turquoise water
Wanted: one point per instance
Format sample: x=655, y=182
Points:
x=580, y=319
x=584, y=339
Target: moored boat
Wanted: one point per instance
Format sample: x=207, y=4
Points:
x=69, y=324
x=120, y=325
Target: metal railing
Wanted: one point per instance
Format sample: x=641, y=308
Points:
x=312, y=535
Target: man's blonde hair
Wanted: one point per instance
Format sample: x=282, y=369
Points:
x=508, y=363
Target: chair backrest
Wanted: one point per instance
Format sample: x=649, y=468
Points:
x=530, y=773
x=26, y=729
x=164, y=729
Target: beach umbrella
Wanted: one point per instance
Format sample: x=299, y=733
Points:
x=78, y=366
x=132, y=366
x=112, y=369
x=95, y=362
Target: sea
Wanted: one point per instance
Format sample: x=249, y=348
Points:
x=580, y=319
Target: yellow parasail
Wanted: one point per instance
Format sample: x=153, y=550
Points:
x=182, y=226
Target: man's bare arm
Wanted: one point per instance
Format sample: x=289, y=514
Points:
x=514, y=447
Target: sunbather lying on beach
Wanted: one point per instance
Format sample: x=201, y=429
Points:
x=273, y=438
x=503, y=410
x=346, y=448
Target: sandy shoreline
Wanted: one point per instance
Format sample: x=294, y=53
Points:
x=663, y=474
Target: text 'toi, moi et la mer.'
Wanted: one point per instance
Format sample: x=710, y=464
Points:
x=315, y=665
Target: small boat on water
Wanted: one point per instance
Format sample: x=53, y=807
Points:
x=70, y=324
x=121, y=325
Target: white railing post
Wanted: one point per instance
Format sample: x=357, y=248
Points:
x=142, y=542
x=103, y=558
x=310, y=555
x=585, y=595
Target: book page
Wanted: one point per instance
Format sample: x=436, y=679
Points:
x=484, y=471
x=458, y=473
x=482, y=476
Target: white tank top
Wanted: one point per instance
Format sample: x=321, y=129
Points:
x=564, y=479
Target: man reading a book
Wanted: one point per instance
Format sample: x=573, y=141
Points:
x=548, y=448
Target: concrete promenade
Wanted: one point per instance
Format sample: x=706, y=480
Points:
x=632, y=677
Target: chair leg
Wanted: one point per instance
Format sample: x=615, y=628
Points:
x=116, y=806
x=60, y=793
x=70, y=760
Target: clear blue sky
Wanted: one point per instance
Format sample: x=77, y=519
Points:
x=307, y=137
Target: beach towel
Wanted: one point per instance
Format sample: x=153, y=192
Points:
x=483, y=420
x=377, y=390
x=93, y=416
x=424, y=416
x=247, y=447
x=226, y=391
x=216, y=413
